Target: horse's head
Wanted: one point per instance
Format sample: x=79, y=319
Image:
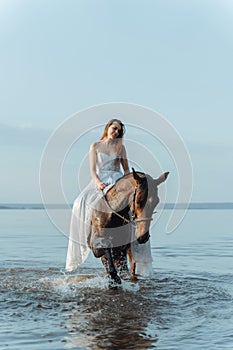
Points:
x=144, y=201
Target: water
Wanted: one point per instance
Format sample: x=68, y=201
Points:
x=186, y=304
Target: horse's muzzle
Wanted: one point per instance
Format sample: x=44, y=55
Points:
x=144, y=238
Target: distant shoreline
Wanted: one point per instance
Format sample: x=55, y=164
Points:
x=169, y=206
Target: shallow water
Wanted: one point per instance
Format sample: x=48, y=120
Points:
x=186, y=303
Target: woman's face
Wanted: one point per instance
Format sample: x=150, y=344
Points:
x=113, y=130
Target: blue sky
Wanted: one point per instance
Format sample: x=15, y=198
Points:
x=59, y=57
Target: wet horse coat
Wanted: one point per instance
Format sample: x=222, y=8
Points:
x=122, y=216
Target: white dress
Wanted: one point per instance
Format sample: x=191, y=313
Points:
x=108, y=172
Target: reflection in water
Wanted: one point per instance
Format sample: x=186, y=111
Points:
x=58, y=311
x=112, y=319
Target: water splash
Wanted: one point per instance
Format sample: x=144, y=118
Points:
x=70, y=286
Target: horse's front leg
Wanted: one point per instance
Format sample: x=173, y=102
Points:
x=132, y=265
x=101, y=247
x=101, y=244
x=111, y=267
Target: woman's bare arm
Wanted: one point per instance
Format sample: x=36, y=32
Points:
x=124, y=161
x=92, y=159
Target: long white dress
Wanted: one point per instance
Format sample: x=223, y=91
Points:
x=108, y=171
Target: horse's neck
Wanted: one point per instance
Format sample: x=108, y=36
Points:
x=120, y=195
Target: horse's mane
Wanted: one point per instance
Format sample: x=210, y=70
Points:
x=125, y=177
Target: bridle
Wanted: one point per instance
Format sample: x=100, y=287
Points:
x=134, y=220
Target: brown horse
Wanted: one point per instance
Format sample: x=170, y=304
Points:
x=122, y=216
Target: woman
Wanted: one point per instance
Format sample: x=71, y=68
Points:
x=107, y=157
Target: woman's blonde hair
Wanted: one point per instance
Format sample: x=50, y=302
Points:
x=118, y=138
x=121, y=131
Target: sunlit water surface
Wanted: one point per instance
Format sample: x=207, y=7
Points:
x=186, y=304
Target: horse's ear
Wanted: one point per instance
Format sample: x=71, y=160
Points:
x=136, y=177
x=162, y=178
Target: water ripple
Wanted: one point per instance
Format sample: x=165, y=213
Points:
x=90, y=316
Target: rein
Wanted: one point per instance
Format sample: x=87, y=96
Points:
x=133, y=221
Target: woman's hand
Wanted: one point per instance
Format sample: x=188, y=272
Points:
x=100, y=185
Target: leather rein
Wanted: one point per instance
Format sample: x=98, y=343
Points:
x=134, y=220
